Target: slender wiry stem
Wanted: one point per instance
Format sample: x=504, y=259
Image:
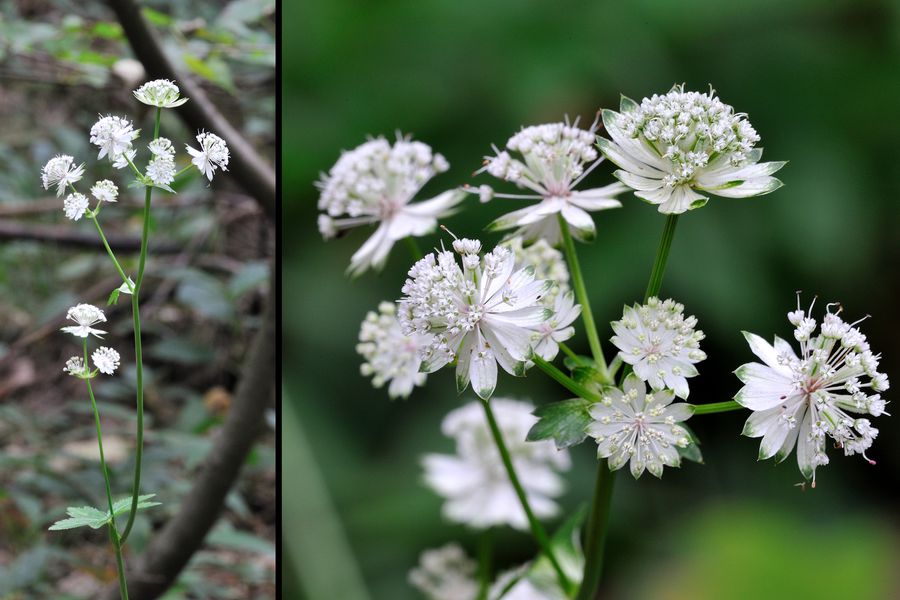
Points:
x=564, y=380
x=109, y=251
x=484, y=564
x=536, y=528
x=662, y=256
x=138, y=353
x=113, y=534
x=568, y=352
x=581, y=294
x=716, y=407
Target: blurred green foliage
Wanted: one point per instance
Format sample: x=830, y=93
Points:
x=820, y=83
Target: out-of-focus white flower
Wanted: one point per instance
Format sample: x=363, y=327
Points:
x=672, y=146
x=481, y=314
x=523, y=586
x=375, y=183
x=75, y=367
x=802, y=400
x=474, y=481
x=161, y=169
x=160, y=92
x=390, y=355
x=556, y=157
x=75, y=205
x=630, y=424
x=113, y=135
x=213, y=153
x=660, y=344
x=86, y=316
x=558, y=328
x=61, y=172
x=106, y=360
x=445, y=573
x=123, y=159
x=105, y=191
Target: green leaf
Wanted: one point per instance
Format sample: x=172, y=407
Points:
x=582, y=361
x=157, y=18
x=81, y=516
x=108, y=30
x=564, y=422
x=113, y=297
x=124, y=505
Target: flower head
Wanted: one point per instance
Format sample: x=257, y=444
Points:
x=75, y=367
x=106, y=360
x=660, y=344
x=161, y=169
x=481, y=314
x=473, y=480
x=670, y=147
x=558, y=328
x=556, y=157
x=86, y=316
x=803, y=399
x=375, y=183
x=105, y=191
x=161, y=93
x=213, y=153
x=113, y=135
x=446, y=573
x=631, y=424
x=61, y=172
x=75, y=205
x=390, y=355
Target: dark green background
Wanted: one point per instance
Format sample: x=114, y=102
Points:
x=820, y=82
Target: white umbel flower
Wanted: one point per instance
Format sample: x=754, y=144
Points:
x=161, y=169
x=106, y=360
x=671, y=147
x=375, y=183
x=481, y=314
x=86, y=316
x=446, y=573
x=161, y=93
x=473, y=481
x=213, y=154
x=660, y=344
x=390, y=355
x=75, y=205
x=803, y=399
x=556, y=157
x=630, y=424
x=75, y=367
x=105, y=191
x=114, y=136
x=61, y=172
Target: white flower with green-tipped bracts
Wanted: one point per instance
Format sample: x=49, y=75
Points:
x=446, y=573
x=474, y=482
x=556, y=157
x=161, y=93
x=85, y=316
x=660, y=344
x=558, y=328
x=644, y=428
x=801, y=399
x=480, y=315
x=673, y=149
x=390, y=355
x=114, y=136
x=375, y=183
x=75, y=205
x=61, y=172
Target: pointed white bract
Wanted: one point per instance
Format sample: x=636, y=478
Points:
x=114, y=136
x=644, y=428
x=446, y=573
x=375, y=183
x=660, y=344
x=106, y=360
x=555, y=158
x=390, y=355
x=61, y=172
x=474, y=482
x=803, y=399
x=213, y=154
x=161, y=93
x=670, y=148
x=85, y=317
x=481, y=314
x=105, y=191
x=75, y=205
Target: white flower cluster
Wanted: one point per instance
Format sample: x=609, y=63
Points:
x=803, y=399
x=375, y=183
x=556, y=157
x=660, y=344
x=85, y=317
x=673, y=144
x=631, y=424
x=473, y=480
x=213, y=154
x=445, y=573
x=75, y=205
x=161, y=168
x=390, y=355
x=105, y=191
x=161, y=93
x=61, y=172
x=106, y=360
x=479, y=315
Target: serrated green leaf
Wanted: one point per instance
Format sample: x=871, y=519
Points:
x=82, y=516
x=563, y=422
x=124, y=505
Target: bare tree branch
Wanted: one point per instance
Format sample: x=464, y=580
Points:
x=64, y=236
x=250, y=170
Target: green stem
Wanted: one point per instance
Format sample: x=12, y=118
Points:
x=581, y=294
x=413, y=246
x=564, y=380
x=109, y=250
x=114, y=536
x=536, y=528
x=597, y=520
x=138, y=353
x=662, y=257
x=716, y=407
x=484, y=564
x=568, y=352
